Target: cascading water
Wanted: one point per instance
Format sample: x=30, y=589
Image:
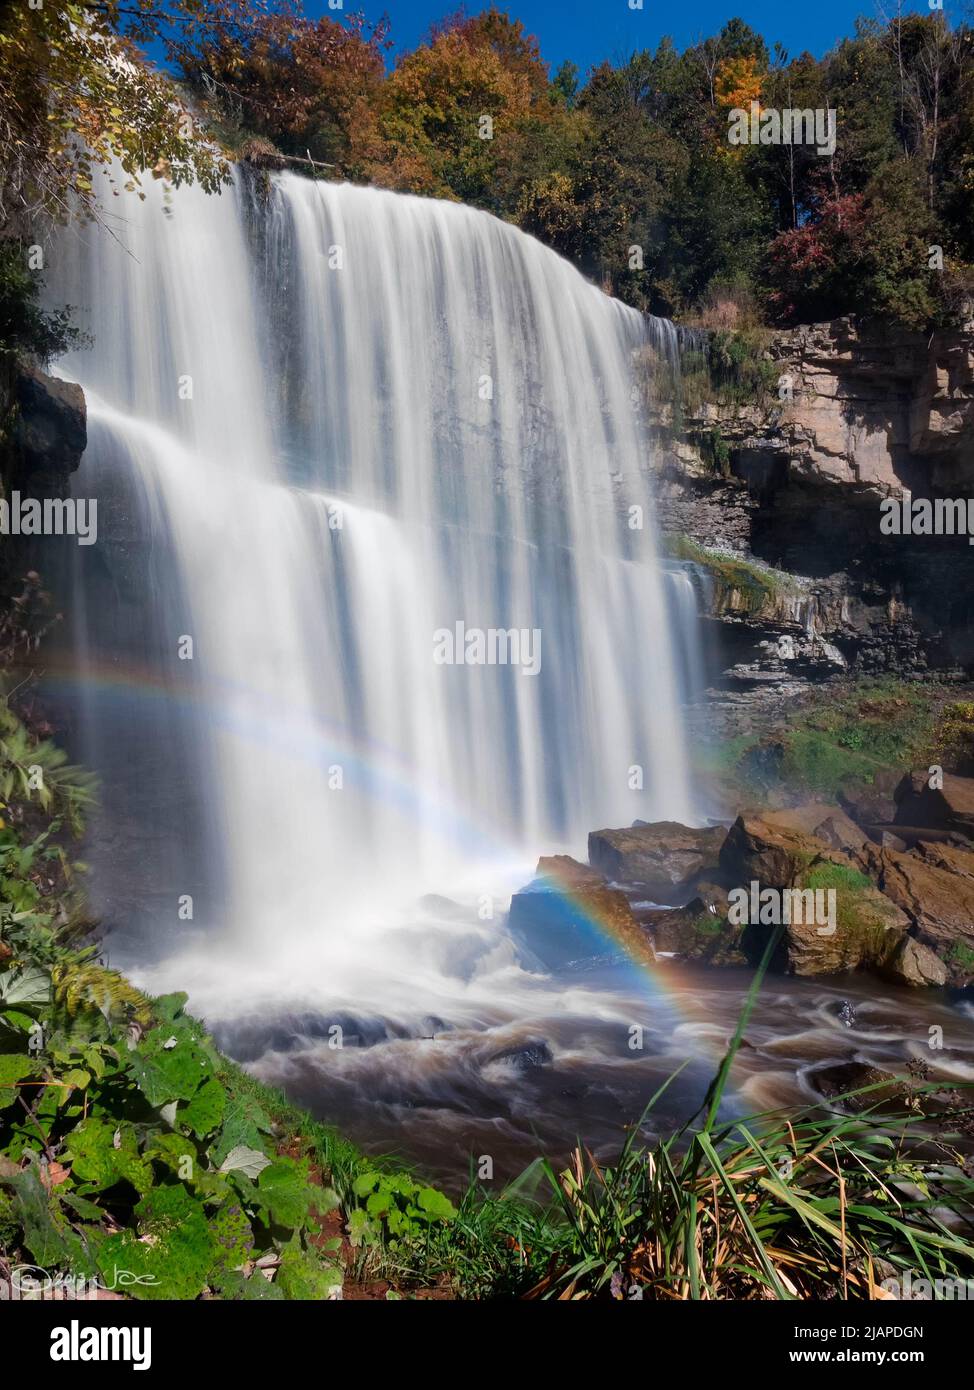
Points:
x=328, y=423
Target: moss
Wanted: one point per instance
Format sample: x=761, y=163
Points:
x=841, y=877
x=739, y=584
x=961, y=956
x=851, y=730
x=708, y=925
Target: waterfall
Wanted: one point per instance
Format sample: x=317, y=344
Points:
x=329, y=424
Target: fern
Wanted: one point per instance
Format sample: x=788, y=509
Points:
x=86, y=984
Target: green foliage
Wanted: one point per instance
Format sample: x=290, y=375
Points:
x=638, y=155
x=129, y=1147
x=396, y=1207
x=24, y=326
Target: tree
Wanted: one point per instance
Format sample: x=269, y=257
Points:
x=76, y=99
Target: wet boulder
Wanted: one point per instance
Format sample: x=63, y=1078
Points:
x=917, y=965
x=860, y=927
x=698, y=931
x=569, y=913
x=665, y=859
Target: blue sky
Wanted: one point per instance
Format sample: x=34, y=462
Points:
x=586, y=33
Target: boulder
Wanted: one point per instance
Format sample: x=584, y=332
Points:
x=842, y=1077
x=886, y=837
x=698, y=931
x=664, y=858
x=824, y=821
x=914, y=963
x=938, y=902
x=51, y=429
x=867, y=929
x=525, y=1056
x=774, y=855
x=569, y=913
x=950, y=807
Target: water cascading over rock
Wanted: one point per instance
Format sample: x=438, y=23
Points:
x=327, y=422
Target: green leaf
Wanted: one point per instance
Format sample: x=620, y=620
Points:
x=232, y=1237
x=359, y=1227
x=284, y=1189
x=365, y=1183
x=14, y=1067
x=302, y=1276
x=176, y=1153
x=103, y=1154
x=436, y=1204
x=168, y=1065
x=47, y=1235
x=242, y=1126
x=204, y=1113
x=28, y=986
x=176, y=1257
x=245, y=1160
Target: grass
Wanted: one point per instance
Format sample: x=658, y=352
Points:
x=822, y=1204
x=856, y=729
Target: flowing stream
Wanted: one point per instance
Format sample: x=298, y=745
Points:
x=328, y=425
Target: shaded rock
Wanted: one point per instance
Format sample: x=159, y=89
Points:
x=938, y=903
x=869, y=803
x=910, y=835
x=914, y=963
x=883, y=836
x=772, y=854
x=51, y=430
x=569, y=914
x=836, y=1080
x=713, y=896
x=665, y=858
x=525, y=1056
x=697, y=932
x=950, y=807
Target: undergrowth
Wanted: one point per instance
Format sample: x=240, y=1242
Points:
x=133, y=1153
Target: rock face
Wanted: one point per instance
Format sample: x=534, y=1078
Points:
x=938, y=903
x=666, y=859
x=568, y=913
x=43, y=433
x=775, y=852
x=874, y=413
x=51, y=431
x=914, y=963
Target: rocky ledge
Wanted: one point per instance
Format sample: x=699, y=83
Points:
x=789, y=491
x=893, y=896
